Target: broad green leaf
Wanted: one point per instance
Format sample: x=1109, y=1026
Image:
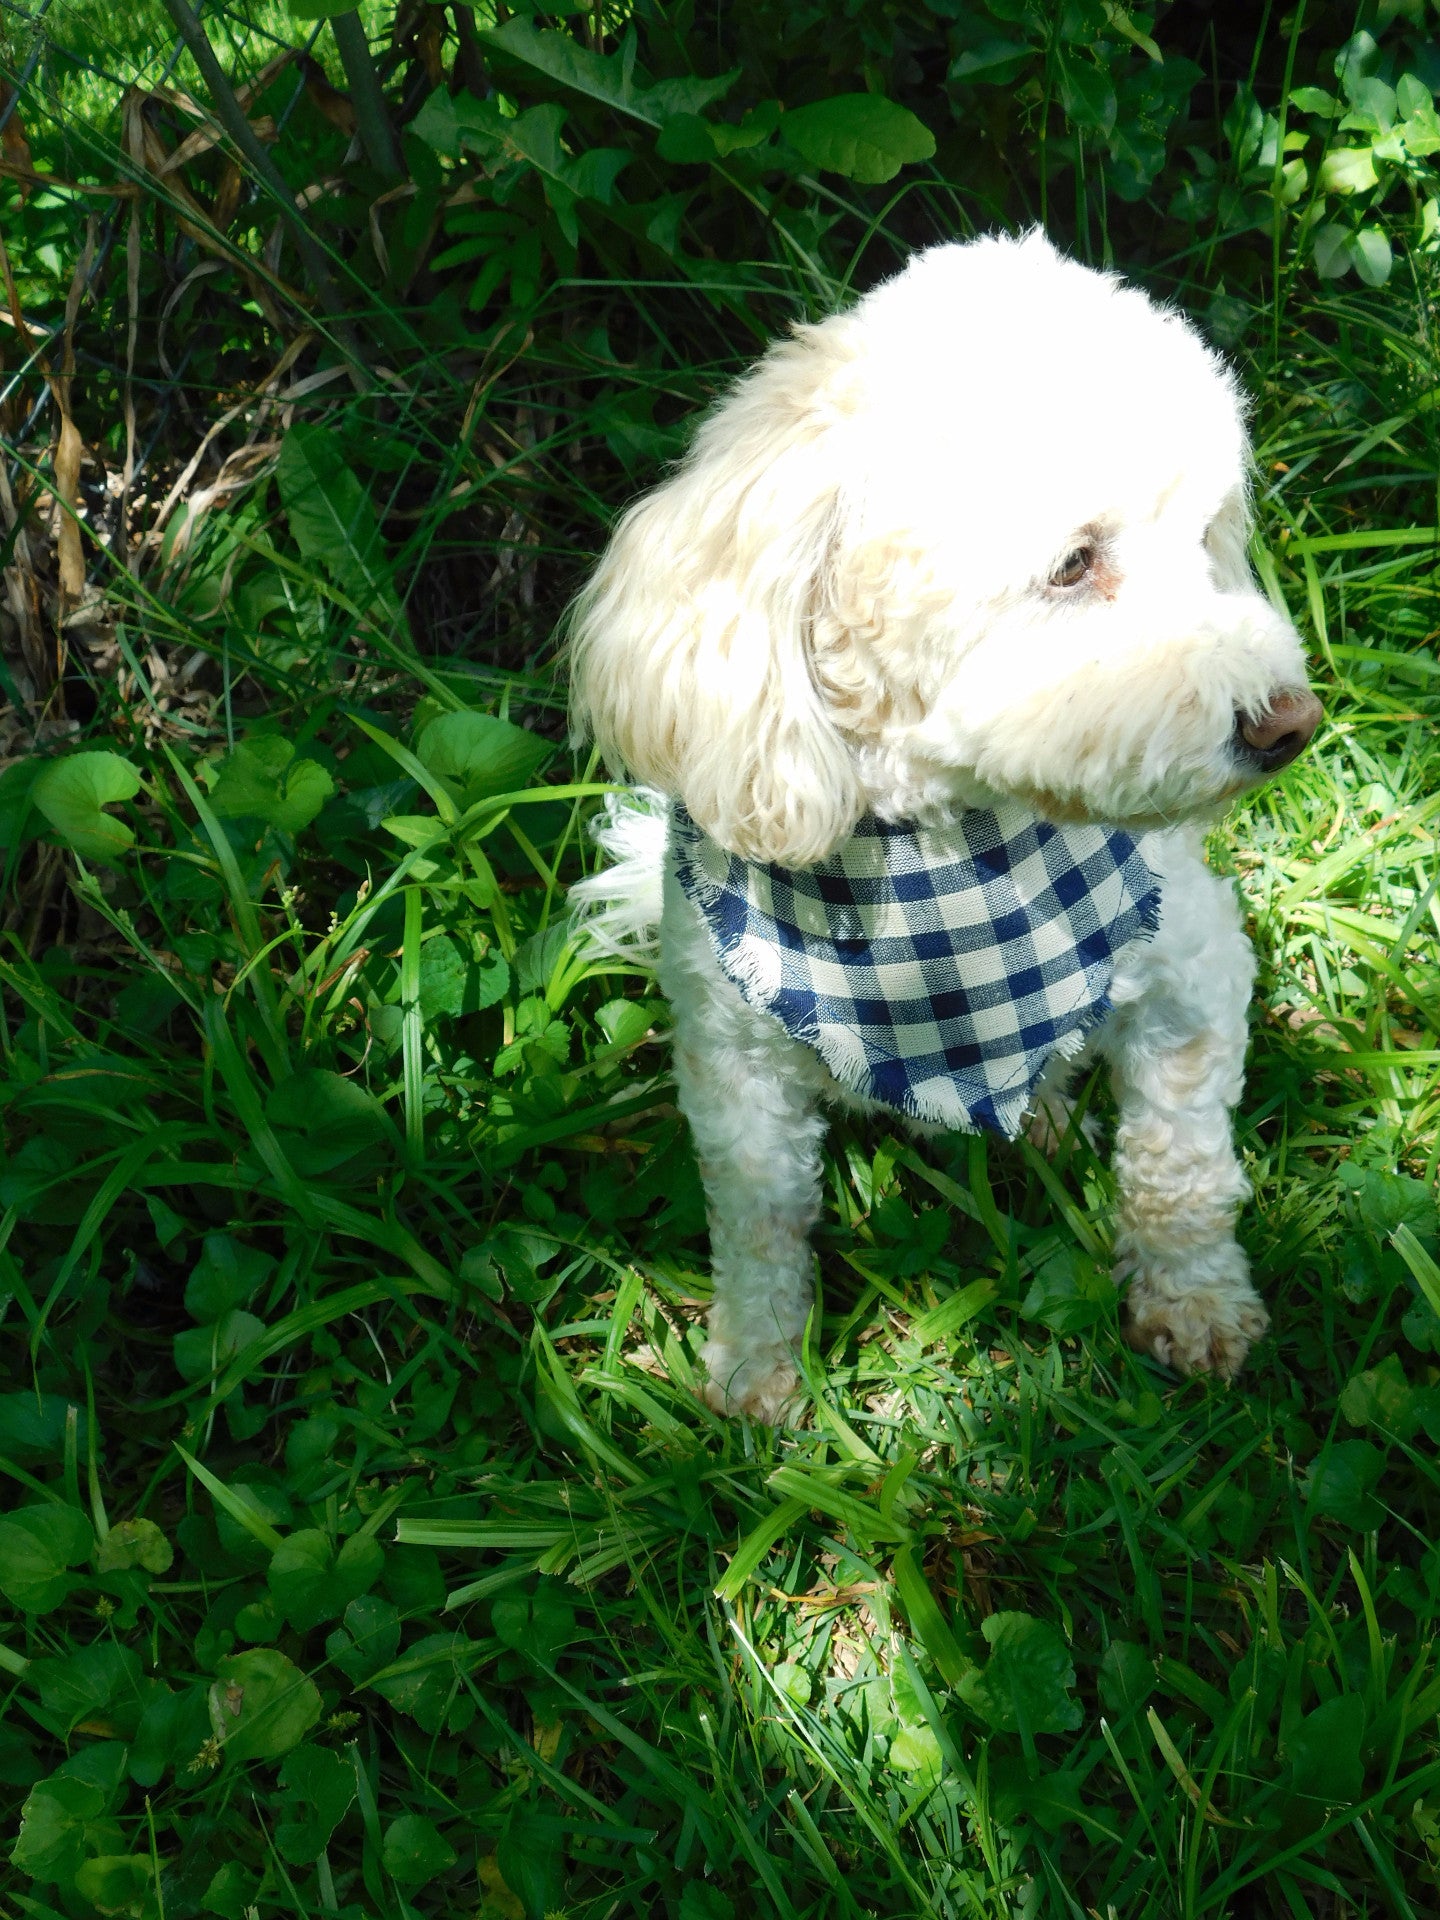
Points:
x=201, y=1351
x=250, y=1517
x=331, y=516
x=1422, y=1323
x=135, y=1543
x=1331, y=251
x=115, y=1883
x=451, y=982
x=17, y=821
x=1087, y=93
x=259, y=1623
x=319, y=1785
x=171, y=1730
x=993, y=60
x=425, y=1681
x=414, y=1581
x=1347, y=170
x=1069, y=1292
x=35, y=1173
x=261, y=1705
x=231, y=1892
x=537, y=1626
x=309, y=1582
x=74, y=1686
x=792, y=1682
x=1421, y=133
x=1358, y=58
x=444, y=972
x=63, y=1822
x=37, y=1544
x=367, y=1639
x=916, y=1750
x=1342, y=1485
x=860, y=135
x=520, y=1258
x=687, y=137
x=310, y=1448
x=626, y=1022
x=1391, y=1200
x=1325, y=1751
x=451, y=123
x=1372, y=256
x=1314, y=100
x=1372, y=105
x=477, y=1269
x=482, y=753
x=227, y=1274
x=530, y=1858
x=593, y=174
x=262, y=780
x=72, y=794
x=1412, y=96
x=1127, y=1679
x=299, y=1578
x=1379, y=1397
x=606, y=77
x=415, y=829
x=414, y=1850
x=533, y=138
x=537, y=958
x=323, y=1119
x=32, y=1425
x=1024, y=1687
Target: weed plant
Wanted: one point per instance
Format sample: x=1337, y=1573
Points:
x=365, y=1549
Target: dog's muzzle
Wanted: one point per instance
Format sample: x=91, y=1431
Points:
x=1272, y=739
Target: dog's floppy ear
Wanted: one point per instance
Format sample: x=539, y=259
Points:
x=1228, y=542
x=691, y=645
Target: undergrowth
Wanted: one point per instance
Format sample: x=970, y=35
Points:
x=366, y=1549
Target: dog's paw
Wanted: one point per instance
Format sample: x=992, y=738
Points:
x=1205, y=1326
x=763, y=1382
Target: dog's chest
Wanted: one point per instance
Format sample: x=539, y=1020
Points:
x=937, y=972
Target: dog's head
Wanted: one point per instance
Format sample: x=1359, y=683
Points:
x=983, y=536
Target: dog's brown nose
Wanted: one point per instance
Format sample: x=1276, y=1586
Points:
x=1272, y=739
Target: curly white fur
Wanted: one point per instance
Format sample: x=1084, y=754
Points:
x=981, y=538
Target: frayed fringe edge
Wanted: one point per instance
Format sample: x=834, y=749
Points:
x=616, y=911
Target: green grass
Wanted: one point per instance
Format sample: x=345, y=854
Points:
x=365, y=1548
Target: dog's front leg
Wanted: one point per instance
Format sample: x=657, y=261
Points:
x=1177, y=1057
x=750, y=1094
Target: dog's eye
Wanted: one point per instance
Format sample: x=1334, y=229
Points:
x=1074, y=569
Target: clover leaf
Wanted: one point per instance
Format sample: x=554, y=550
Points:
x=481, y=753
x=72, y=794
x=1024, y=1687
x=261, y=1705
x=309, y=1582
x=263, y=780
x=862, y=136
x=37, y=1544
x=319, y=1786
x=414, y=1850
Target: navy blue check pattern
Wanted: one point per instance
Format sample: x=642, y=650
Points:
x=936, y=971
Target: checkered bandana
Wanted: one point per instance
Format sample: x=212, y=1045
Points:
x=936, y=971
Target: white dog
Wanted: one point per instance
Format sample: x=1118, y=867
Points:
x=942, y=645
